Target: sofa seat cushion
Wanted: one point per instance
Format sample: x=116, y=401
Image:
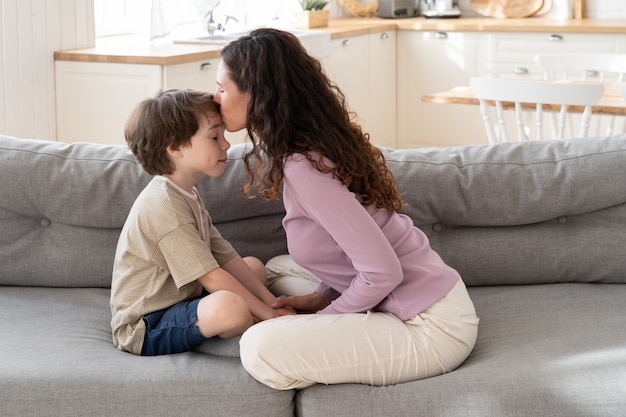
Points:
x=542, y=350
x=58, y=360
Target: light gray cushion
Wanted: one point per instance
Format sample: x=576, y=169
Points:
x=217, y=346
x=253, y=226
x=58, y=360
x=62, y=207
x=522, y=212
x=514, y=213
x=61, y=210
x=542, y=350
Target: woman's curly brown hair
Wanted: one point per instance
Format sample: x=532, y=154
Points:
x=295, y=108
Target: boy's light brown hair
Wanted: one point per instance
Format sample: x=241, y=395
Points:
x=169, y=119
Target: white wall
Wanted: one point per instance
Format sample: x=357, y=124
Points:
x=605, y=9
x=30, y=32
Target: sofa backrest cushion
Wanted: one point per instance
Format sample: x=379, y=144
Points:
x=522, y=212
x=62, y=207
x=513, y=213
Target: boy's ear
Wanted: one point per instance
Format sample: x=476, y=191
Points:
x=174, y=152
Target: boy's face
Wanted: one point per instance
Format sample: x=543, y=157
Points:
x=206, y=152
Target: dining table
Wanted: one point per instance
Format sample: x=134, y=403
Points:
x=611, y=103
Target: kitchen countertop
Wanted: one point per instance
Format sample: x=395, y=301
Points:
x=617, y=26
x=135, y=51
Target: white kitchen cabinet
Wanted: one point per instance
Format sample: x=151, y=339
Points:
x=364, y=68
x=381, y=120
x=431, y=62
x=382, y=74
x=347, y=65
x=94, y=99
x=511, y=55
x=198, y=75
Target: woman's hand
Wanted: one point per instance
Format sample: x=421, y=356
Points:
x=283, y=311
x=310, y=303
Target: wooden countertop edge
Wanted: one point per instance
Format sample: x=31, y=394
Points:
x=168, y=54
x=88, y=55
x=611, y=103
x=591, y=26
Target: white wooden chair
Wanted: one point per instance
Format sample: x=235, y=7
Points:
x=536, y=97
x=593, y=67
x=583, y=66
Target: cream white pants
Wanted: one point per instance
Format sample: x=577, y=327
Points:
x=371, y=348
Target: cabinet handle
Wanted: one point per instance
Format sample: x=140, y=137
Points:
x=205, y=66
x=520, y=70
x=441, y=35
x=384, y=35
x=555, y=37
x=345, y=42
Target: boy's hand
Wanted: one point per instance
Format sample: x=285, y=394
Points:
x=310, y=303
x=283, y=311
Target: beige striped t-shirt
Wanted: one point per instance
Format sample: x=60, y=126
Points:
x=166, y=244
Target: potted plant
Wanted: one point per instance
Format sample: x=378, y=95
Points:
x=312, y=15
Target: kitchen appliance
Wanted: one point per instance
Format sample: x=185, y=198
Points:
x=395, y=9
x=439, y=8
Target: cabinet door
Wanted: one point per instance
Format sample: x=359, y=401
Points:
x=347, y=66
x=95, y=99
x=197, y=75
x=512, y=55
x=381, y=117
x=364, y=67
x=431, y=62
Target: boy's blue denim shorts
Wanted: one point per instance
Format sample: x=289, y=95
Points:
x=173, y=329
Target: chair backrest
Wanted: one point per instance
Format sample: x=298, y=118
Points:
x=536, y=97
x=594, y=67
x=583, y=66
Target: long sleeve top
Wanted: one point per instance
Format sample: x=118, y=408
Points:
x=367, y=258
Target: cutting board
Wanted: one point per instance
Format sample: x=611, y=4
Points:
x=545, y=8
x=506, y=8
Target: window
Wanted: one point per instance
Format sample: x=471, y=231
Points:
x=125, y=17
x=122, y=17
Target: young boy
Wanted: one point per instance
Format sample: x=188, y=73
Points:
x=176, y=281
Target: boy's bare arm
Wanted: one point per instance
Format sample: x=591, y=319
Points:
x=239, y=269
x=219, y=279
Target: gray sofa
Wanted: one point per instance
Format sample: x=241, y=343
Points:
x=538, y=231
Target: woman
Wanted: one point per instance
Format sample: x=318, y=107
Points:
x=388, y=309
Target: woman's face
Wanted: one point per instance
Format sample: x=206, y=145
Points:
x=234, y=103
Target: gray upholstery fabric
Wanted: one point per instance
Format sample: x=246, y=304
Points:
x=56, y=231
x=513, y=183
x=64, y=205
x=488, y=210
x=522, y=212
x=58, y=360
x=228, y=348
x=551, y=214
x=542, y=350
